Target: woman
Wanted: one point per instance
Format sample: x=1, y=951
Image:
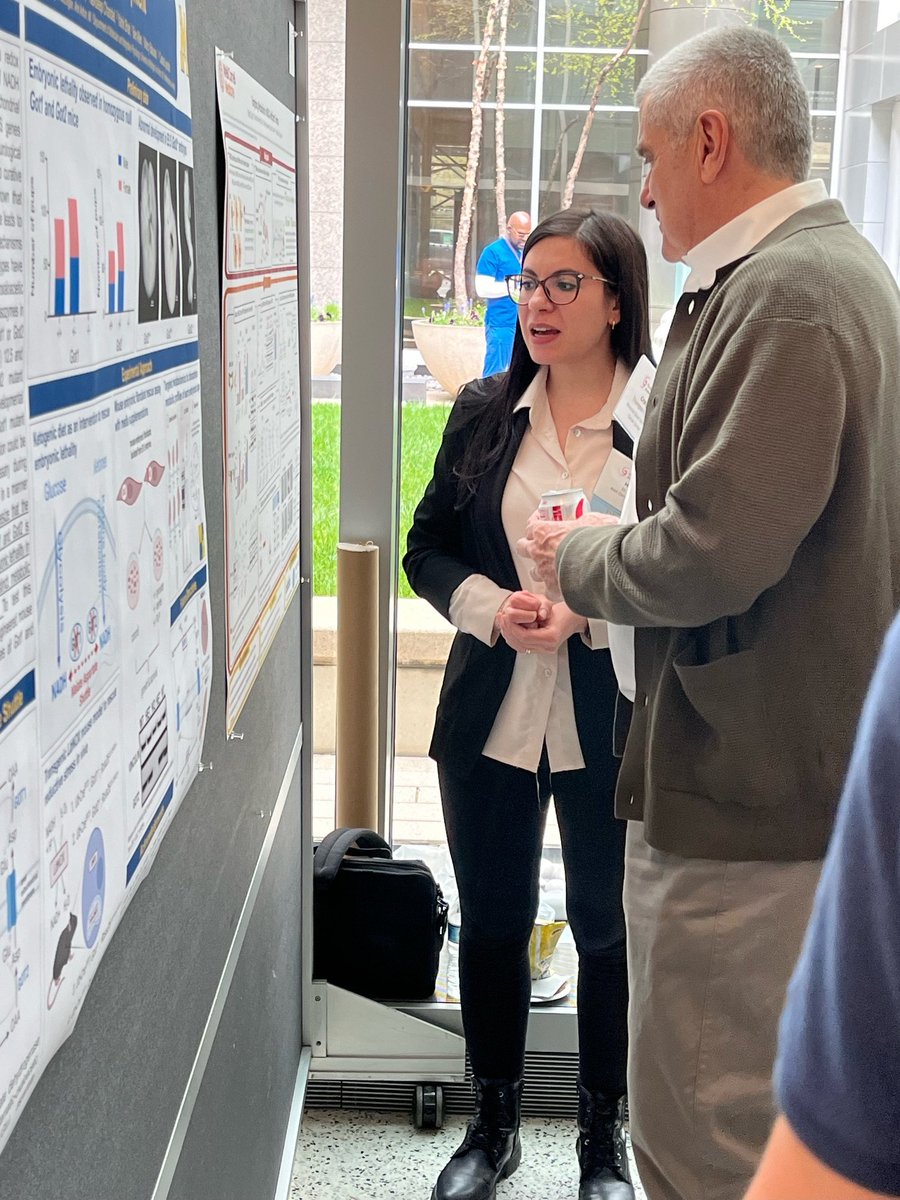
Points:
x=527, y=703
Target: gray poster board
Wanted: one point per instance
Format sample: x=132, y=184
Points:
x=101, y=1120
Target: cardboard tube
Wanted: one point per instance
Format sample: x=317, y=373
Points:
x=356, y=734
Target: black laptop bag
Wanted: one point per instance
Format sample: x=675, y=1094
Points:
x=378, y=922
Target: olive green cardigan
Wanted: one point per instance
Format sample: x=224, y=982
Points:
x=765, y=565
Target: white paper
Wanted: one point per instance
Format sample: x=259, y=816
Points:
x=611, y=487
x=553, y=987
x=632, y=406
x=261, y=373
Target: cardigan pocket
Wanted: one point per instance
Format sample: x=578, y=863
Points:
x=737, y=757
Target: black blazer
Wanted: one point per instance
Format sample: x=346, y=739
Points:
x=445, y=546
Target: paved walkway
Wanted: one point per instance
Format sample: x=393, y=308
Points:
x=417, y=804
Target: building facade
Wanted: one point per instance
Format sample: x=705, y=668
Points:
x=848, y=53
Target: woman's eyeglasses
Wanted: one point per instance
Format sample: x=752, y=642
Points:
x=562, y=287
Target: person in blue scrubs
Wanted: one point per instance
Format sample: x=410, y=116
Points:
x=501, y=258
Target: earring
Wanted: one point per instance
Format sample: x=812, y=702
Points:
x=612, y=325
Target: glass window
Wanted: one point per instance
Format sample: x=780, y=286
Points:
x=580, y=23
x=438, y=141
x=610, y=172
x=449, y=75
x=803, y=24
x=820, y=77
x=823, y=141
x=571, y=78
x=462, y=21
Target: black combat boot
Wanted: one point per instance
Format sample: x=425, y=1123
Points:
x=491, y=1150
x=601, y=1147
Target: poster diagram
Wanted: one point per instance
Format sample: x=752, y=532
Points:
x=260, y=372
x=105, y=642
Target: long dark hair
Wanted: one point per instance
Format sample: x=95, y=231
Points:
x=618, y=254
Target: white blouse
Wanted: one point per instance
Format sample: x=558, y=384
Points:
x=538, y=707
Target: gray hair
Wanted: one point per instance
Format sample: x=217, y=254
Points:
x=747, y=75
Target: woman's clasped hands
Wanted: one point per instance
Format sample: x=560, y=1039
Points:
x=528, y=622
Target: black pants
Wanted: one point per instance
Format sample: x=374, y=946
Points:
x=495, y=820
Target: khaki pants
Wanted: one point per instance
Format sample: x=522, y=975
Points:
x=711, y=947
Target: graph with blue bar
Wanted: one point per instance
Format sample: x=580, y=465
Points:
x=70, y=266
x=67, y=263
x=116, y=273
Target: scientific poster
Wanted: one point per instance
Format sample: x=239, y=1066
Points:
x=260, y=373
x=105, y=654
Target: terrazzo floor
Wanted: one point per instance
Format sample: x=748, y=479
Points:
x=344, y=1155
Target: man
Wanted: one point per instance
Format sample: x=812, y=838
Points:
x=501, y=258
x=839, y=1138
x=760, y=576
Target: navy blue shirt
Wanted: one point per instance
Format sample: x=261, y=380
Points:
x=498, y=260
x=838, y=1070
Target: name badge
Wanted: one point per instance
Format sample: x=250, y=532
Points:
x=632, y=406
x=612, y=486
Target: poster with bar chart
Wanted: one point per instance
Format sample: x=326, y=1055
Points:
x=105, y=641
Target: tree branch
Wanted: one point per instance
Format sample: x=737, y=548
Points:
x=595, y=97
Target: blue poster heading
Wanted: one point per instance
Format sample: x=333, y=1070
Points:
x=44, y=398
x=9, y=17
x=149, y=834
x=16, y=700
x=187, y=595
x=47, y=35
x=143, y=31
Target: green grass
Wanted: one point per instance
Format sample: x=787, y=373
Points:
x=421, y=435
x=419, y=308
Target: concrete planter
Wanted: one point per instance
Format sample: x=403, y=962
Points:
x=325, y=347
x=453, y=354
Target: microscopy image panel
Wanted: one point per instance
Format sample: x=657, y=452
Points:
x=187, y=225
x=168, y=202
x=148, y=226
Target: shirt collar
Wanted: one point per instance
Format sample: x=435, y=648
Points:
x=743, y=232
x=535, y=398
x=517, y=250
x=537, y=388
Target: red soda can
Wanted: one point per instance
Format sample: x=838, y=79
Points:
x=567, y=504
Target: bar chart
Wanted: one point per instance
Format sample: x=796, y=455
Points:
x=111, y=241
x=66, y=292
x=66, y=301
x=83, y=228
x=116, y=273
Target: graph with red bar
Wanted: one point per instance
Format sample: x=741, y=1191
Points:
x=74, y=259
x=59, y=293
x=116, y=273
x=67, y=299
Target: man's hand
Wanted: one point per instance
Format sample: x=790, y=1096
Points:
x=542, y=538
x=549, y=635
x=540, y=544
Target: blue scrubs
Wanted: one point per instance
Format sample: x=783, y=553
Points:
x=498, y=260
